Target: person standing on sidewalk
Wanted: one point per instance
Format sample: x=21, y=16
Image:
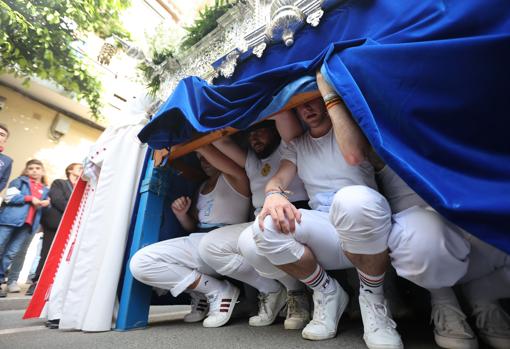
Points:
x=60, y=192
x=25, y=198
x=5, y=161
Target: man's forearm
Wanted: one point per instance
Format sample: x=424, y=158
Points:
x=188, y=223
x=275, y=184
x=353, y=144
x=281, y=180
x=228, y=147
x=350, y=138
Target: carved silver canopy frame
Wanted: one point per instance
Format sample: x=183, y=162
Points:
x=275, y=21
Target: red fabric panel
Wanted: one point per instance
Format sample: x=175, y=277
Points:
x=49, y=271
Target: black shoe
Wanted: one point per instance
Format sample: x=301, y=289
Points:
x=52, y=324
x=31, y=289
x=3, y=293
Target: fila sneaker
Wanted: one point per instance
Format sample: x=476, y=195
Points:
x=379, y=328
x=328, y=308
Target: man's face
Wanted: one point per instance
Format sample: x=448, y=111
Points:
x=76, y=171
x=313, y=113
x=35, y=171
x=3, y=137
x=209, y=169
x=262, y=141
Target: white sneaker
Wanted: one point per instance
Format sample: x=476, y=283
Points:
x=221, y=304
x=493, y=325
x=298, y=310
x=199, y=308
x=451, y=329
x=328, y=308
x=270, y=305
x=13, y=287
x=379, y=328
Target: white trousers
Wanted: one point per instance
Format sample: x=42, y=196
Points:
x=171, y=264
x=488, y=275
x=424, y=247
x=314, y=231
x=220, y=250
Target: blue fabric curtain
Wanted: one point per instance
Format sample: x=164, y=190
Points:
x=427, y=81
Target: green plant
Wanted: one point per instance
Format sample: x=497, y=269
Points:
x=206, y=22
x=36, y=39
x=152, y=70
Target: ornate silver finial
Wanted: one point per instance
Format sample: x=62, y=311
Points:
x=286, y=18
x=279, y=20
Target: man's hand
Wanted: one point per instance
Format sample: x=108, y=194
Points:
x=36, y=202
x=181, y=206
x=324, y=87
x=284, y=214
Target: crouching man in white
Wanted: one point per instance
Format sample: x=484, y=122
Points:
x=175, y=264
x=305, y=249
x=412, y=229
x=220, y=248
x=424, y=247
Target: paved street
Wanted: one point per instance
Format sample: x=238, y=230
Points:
x=167, y=331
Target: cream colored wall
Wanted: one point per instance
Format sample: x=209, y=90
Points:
x=29, y=123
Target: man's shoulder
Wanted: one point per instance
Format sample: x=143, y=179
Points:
x=18, y=180
x=58, y=182
x=299, y=140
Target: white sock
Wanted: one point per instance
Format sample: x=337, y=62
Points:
x=443, y=295
x=247, y=274
x=320, y=281
x=208, y=284
x=371, y=284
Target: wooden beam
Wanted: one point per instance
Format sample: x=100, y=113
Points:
x=182, y=149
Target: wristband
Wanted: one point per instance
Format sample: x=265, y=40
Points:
x=284, y=193
x=330, y=96
x=332, y=103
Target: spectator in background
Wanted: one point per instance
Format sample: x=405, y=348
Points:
x=5, y=161
x=25, y=198
x=60, y=192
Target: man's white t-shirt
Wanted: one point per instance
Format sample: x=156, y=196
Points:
x=399, y=195
x=323, y=170
x=223, y=205
x=260, y=171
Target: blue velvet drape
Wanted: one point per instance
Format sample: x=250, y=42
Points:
x=426, y=80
